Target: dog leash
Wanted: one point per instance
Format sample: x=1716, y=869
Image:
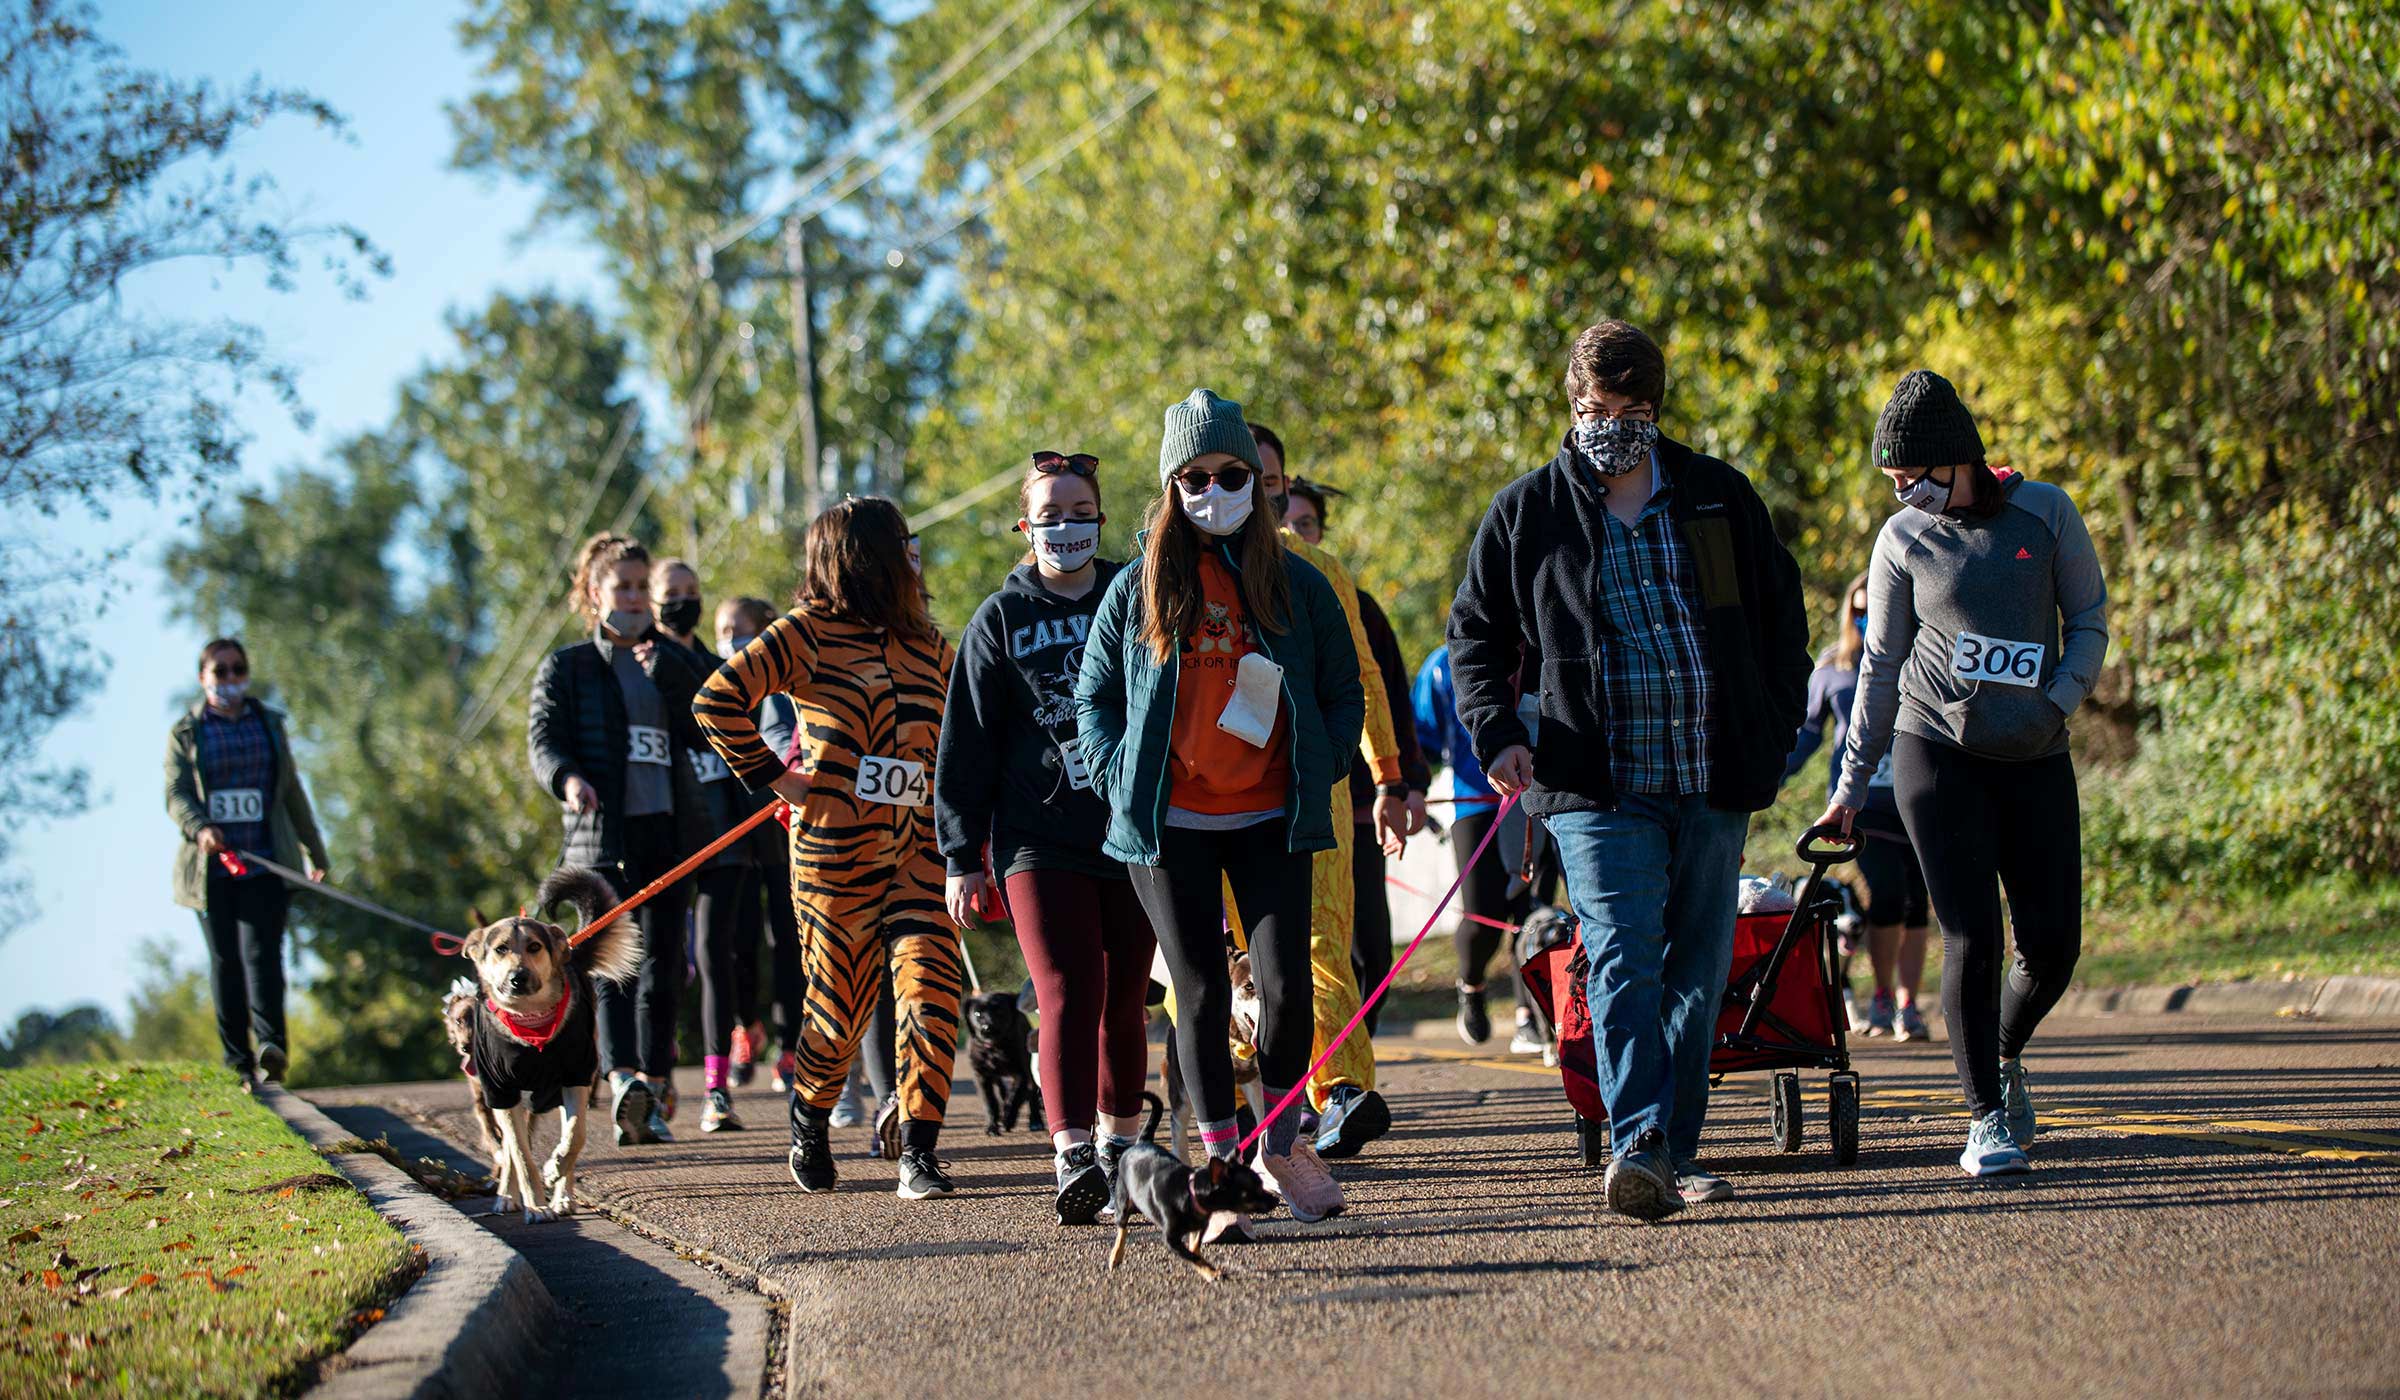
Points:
x=691, y=863
x=1367, y=1003
x=238, y=863
x=1408, y=889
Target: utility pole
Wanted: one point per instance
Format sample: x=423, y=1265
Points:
x=804, y=351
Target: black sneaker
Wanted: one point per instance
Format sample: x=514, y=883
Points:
x=272, y=1064
x=922, y=1176
x=811, y=1157
x=1351, y=1120
x=1082, y=1187
x=1474, y=1019
x=1641, y=1183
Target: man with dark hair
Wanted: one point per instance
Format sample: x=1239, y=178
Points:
x=1638, y=590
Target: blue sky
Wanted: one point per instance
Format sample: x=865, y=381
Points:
x=102, y=879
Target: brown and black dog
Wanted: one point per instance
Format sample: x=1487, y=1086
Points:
x=531, y=1043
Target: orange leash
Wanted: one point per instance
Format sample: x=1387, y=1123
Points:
x=691, y=863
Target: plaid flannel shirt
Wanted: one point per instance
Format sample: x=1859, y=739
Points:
x=1654, y=658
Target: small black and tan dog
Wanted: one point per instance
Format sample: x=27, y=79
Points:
x=530, y=1046
x=1181, y=1198
x=1001, y=1047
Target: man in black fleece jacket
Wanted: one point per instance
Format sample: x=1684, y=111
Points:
x=1635, y=591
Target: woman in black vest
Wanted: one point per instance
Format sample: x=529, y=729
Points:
x=611, y=733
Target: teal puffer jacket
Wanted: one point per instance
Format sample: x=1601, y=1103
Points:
x=1125, y=712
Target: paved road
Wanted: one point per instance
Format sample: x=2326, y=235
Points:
x=2216, y=1211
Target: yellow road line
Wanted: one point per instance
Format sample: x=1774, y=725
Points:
x=2254, y=1134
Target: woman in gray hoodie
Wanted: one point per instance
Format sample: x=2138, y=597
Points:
x=1987, y=623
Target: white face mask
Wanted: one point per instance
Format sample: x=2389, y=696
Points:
x=225, y=693
x=1065, y=545
x=1925, y=494
x=1218, y=511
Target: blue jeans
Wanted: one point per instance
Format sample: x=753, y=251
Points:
x=1652, y=885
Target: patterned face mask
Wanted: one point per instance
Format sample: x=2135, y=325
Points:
x=1615, y=446
x=1924, y=494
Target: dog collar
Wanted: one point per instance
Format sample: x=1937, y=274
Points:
x=535, y=1034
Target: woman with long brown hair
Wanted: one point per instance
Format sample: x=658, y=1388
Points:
x=870, y=671
x=1218, y=704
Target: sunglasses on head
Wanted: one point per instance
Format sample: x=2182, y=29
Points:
x=1050, y=463
x=1231, y=478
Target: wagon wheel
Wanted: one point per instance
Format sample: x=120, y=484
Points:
x=1841, y=1095
x=1591, y=1141
x=1787, y=1111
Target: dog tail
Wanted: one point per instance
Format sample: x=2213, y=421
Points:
x=613, y=953
x=1157, y=1111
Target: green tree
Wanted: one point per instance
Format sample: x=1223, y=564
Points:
x=661, y=129
x=66, y=1037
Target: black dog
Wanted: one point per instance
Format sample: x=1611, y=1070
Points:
x=1001, y=1047
x=1181, y=1198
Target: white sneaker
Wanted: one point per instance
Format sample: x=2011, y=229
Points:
x=1308, y=1190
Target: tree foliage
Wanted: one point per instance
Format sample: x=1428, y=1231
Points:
x=2153, y=243
x=111, y=173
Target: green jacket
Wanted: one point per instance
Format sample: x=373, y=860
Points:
x=289, y=816
x=1125, y=712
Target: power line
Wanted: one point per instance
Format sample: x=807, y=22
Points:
x=1009, y=63
x=1018, y=179
x=863, y=135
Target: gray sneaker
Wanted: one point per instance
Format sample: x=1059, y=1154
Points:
x=1641, y=1183
x=1911, y=1025
x=1989, y=1150
x=1698, y=1187
x=850, y=1109
x=2017, y=1103
x=632, y=1111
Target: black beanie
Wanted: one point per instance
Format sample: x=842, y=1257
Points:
x=1925, y=426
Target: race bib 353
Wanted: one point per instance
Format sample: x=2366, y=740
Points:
x=646, y=744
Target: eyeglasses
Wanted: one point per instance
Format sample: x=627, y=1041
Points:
x=1050, y=463
x=233, y=670
x=1231, y=478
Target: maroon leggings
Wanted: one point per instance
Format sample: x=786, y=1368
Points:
x=1087, y=945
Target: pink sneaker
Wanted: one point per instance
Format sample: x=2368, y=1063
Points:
x=1308, y=1190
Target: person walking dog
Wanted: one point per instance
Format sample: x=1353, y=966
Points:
x=1643, y=583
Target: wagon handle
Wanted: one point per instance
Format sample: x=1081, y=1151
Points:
x=1843, y=845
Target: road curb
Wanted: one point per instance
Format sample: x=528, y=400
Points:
x=2311, y=998
x=477, y=1323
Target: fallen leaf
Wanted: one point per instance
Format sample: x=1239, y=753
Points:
x=171, y=1248
x=62, y=1260
x=50, y=1279
x=32, y=1236
x=240, y=1269
x=154, y=1222
x=177, y=1153
x=37, y=1129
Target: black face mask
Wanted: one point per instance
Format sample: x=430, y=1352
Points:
x=679, y=615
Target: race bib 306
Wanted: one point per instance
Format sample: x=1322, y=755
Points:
x=2002, y=662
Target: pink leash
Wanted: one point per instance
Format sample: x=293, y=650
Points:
x=1381, y=987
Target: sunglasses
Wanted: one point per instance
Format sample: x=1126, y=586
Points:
x=1231, y=478
x=1050, y=463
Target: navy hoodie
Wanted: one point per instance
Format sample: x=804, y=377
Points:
x=1008, y=770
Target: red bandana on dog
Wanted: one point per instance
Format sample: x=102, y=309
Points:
x=534, y=1034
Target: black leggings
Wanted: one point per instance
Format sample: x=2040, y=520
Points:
x=637, y=1024
x=1484, y=894
x=1184, y=895
x=1980, y=825
x=1371, y=918
x=243, y=923
x=716, y=929
x=787, y=984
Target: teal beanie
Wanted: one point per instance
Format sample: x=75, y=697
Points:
x=1200, y=425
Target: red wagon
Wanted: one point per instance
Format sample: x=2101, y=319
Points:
x=1782, y=1012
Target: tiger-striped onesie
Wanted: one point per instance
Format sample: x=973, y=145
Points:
x=866, y=878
